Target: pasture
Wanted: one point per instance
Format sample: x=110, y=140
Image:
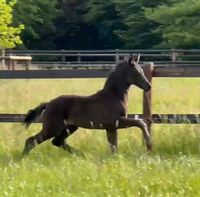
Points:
x=173, y=169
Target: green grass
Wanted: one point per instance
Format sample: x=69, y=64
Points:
x=173, y=169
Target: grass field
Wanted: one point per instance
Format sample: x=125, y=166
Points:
x=173, y=169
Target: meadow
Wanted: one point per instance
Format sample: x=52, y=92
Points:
x=172, y=169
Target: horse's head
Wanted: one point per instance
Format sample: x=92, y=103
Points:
x=135, y=74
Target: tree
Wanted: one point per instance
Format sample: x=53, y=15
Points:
x=72, y=32
x=106, y=19
x=137, y=29
x=38, y=18
x=178, y=24
x=9, y=35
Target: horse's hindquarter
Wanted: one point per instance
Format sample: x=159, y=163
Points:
x=94, y=112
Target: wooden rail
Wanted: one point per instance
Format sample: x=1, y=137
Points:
x=158, y=71
x=65, y=58
x=156, y=118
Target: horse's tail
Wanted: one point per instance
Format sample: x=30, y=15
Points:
x=33, y=114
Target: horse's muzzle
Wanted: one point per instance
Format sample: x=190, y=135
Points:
x=147, y=87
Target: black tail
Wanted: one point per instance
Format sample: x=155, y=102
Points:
x=33, y=114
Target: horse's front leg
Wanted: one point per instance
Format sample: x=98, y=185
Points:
x=112, y=139
x=130, y=122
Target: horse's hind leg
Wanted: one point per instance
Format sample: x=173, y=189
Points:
x=112, y=139
x=31, y=142
x=60, y=139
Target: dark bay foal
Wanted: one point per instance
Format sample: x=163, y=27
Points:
x=107, y=109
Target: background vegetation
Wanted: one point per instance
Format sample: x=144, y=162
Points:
x=108, y=24
x=171, y=170
x=9, y=35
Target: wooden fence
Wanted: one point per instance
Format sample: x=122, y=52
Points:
x=150, y=71
x=94, y=58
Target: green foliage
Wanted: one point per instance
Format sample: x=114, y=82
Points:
x=137, y=31
x=71, y=30
x=108, y=24
x=37, y=16
x=178, y=23
x=171, y=170
x=106, y=19
x=9, y=35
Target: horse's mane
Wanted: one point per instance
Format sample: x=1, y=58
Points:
x=115, y=78
x=120, y=66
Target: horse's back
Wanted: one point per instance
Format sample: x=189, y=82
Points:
x=85, y=111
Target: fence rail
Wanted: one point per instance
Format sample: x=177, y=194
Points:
x=72, y=58
x=159, y=71
x=156, y=118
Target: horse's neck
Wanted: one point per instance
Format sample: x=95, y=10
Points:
x=117, y=86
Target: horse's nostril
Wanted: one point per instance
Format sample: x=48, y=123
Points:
x=148, y=87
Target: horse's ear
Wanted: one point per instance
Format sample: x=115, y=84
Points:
x=133, y=59
x=138, y=58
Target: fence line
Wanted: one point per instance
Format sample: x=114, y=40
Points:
x=156, y=118
x=150, y=71
x=63, y=58
x=159, y=71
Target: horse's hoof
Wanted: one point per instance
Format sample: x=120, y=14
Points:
x=149, y=148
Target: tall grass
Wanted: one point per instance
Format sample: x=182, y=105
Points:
x=173, y=169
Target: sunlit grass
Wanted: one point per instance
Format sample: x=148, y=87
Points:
x=173, y=169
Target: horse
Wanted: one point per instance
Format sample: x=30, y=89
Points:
x=105, y=110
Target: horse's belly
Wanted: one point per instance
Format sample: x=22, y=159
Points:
x=94, y=115
x=92, y=121
x=91, y=125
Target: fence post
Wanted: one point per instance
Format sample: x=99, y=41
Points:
x=147, y=110
x=28, y=64
x=63, y=55
x=79, y=57
x=3, y=60
x=174, y=54
x=117, y=56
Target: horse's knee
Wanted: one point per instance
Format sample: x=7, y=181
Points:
x=146, y=134
x=142, y=125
